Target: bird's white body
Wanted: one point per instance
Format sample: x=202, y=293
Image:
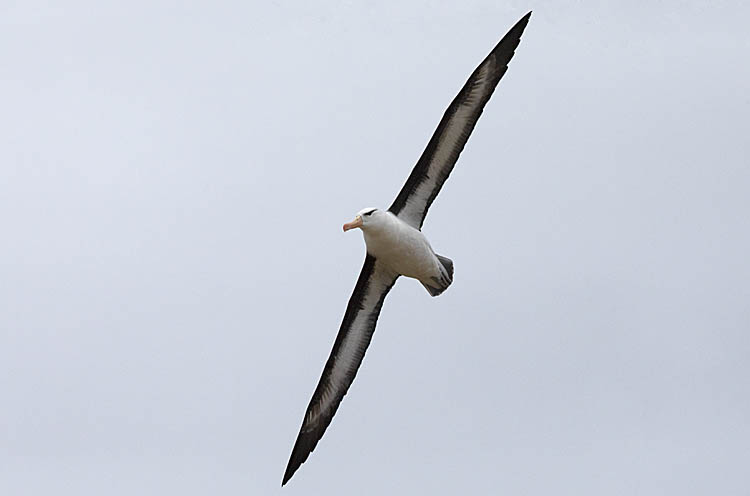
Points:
x=402, y=248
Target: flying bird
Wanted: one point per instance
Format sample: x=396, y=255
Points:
x=396, y=246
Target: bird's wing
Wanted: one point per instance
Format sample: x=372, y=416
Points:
x=451, y=135
x=348, y=351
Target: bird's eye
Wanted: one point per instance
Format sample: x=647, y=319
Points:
x=370, y=212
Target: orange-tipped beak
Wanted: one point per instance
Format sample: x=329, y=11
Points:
x=357, y=222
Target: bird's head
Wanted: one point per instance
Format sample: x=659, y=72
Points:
x=364, y=218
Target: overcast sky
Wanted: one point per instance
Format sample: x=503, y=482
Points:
x=173, y=180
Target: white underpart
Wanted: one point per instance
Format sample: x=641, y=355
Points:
x=401, y=247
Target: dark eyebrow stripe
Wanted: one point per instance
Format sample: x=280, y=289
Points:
x=370, y=212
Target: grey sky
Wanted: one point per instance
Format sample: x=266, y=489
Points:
x=173, y=180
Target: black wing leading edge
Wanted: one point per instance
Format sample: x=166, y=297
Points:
x=451, y=135
x=352, y=341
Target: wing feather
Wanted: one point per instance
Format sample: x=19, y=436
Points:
x=352, y=341
x=451, y=135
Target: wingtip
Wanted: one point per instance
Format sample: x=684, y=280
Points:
x=288, y=473
x=525, y=19
x=298, y=457
x=286, y=477
x=522, y=22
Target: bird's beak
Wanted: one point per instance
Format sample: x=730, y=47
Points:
x=357, y=222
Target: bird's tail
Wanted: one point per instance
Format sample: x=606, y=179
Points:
x=439, y=284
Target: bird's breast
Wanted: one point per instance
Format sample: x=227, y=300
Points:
x=402, y=248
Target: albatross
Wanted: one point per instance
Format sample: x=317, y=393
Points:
x=396, y=246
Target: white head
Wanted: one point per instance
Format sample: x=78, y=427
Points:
x=365, y=218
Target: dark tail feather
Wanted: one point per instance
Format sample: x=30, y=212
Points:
x=439, y=285
x=433, y=291
x=448, y=265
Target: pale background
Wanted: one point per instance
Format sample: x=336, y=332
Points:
x=173, y=180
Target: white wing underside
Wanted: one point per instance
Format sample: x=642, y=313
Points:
x=355, y=334
x=453, y=131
